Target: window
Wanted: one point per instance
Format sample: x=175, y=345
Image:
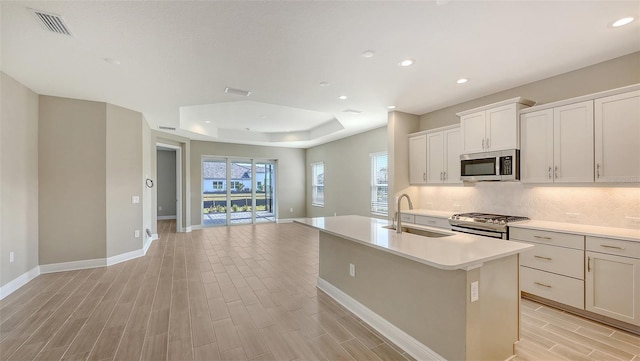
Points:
x=217, y=185
x=317, y=184
x=379, y=183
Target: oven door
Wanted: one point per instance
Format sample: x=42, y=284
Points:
x=480, y=232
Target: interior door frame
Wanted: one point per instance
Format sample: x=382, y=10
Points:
x=178, y=149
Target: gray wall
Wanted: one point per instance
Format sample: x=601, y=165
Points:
x=347, y=168
x=399, y=126
x=290, y=174
x=124, y=179
x=72, y=177
x=610, y=74
x=166, y=182
x=18, y=179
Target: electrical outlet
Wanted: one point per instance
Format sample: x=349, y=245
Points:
x=291, y=210
x=457, y=208
x=475, y=295
x=135, y=199
x=11, y=257
x=159, y=208
x=352, y=270
x=136, y=233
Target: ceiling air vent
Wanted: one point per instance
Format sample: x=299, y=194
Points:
x=52, y=22
x=166, y=128
x=351, y=111
x=245, y=93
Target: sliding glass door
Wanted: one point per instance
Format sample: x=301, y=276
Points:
x=238, y=191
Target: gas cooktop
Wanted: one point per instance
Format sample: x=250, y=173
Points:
x=497, y=222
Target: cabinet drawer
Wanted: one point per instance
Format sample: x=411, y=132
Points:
x=613, y=246
x=546, y=237
x=407, y=218
x=433, y=222
x=560, y=260
x=567, y=290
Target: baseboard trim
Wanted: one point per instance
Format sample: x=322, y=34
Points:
x=412, y=346
x=124, y=257
x=187, y=229
x=72, y=266
x=285, y=220
x=164, y=218
x=18, y=282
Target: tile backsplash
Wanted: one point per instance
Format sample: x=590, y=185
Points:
x=599, y=206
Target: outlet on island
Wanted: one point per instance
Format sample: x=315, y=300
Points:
x=352, y=270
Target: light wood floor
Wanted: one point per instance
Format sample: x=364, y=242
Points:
x=236, y=293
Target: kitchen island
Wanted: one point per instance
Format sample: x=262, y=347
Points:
x=417, y=290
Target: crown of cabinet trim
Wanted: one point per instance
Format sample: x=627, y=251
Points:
x=433, y=130
x=518, y=100
x=581, y=98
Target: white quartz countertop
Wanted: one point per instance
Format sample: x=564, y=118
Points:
x=627, y=234
x=457, y=251
x=428, y=212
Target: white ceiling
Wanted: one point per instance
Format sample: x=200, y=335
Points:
x=176, y=58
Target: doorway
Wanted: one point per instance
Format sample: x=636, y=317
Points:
x=238, y=191
x=169, y=183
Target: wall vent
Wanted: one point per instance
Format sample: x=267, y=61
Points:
x=351, y=111
x=166, y=128
x=245, y=93
x=51, y=22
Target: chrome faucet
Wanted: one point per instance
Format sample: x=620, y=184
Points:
x=399, y=222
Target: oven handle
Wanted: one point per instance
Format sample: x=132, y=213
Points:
x=480, y=232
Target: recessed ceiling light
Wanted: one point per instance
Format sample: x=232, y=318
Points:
x=406, y=62
x=368, y=54
x=622, y=22
x=207, y=121
x=324, y=83
x=391, y=107
x=462, y=80
x=112, y=61
x=342, y=97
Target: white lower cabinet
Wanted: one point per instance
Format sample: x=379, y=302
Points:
x=567, y=290
x=612, y=281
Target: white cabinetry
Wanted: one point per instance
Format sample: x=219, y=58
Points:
x=418, y=159
x=612, y=274
x=554, y=268
x=492, y=127
x=617, y=138
x=443, y=156
x=557, y=144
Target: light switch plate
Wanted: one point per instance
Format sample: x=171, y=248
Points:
x=135, y=199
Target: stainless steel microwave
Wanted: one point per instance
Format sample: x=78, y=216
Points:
x=490, y=166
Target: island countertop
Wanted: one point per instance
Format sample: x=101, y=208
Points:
x=456, y=251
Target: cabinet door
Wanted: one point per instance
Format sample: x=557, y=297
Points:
x=617, y=138
x=573, y=143
x=435, y=157
x=452, y=151
x=502, y=128
x=473, y=132
x=612, y=288
x=418, y=159
x=536, y=155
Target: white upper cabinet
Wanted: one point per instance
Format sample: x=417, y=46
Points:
x=617, y=138
x=492, y=127
x=443, y=156
x=536, y=155
x=418, y=159
x=557, y=144
x=573, y=143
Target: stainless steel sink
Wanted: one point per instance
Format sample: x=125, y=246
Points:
x=420, y=232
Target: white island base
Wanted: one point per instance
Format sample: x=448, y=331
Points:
x=424, y=309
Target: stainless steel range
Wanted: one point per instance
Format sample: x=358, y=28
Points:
x=484, y=224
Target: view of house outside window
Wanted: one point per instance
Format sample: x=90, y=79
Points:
x=317, y=184
x=379, y=183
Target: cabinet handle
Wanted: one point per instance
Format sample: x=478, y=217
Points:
x=545, y=258
x=556, y=172
x=424, y=176
x=441, y=176
x=598, y=170
x=549, y=172
x=444, y=174
x=483, y=143
x=541, y=237
x=614, y=247
x=488, y=143
x=542, y=284
x=588, y=264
